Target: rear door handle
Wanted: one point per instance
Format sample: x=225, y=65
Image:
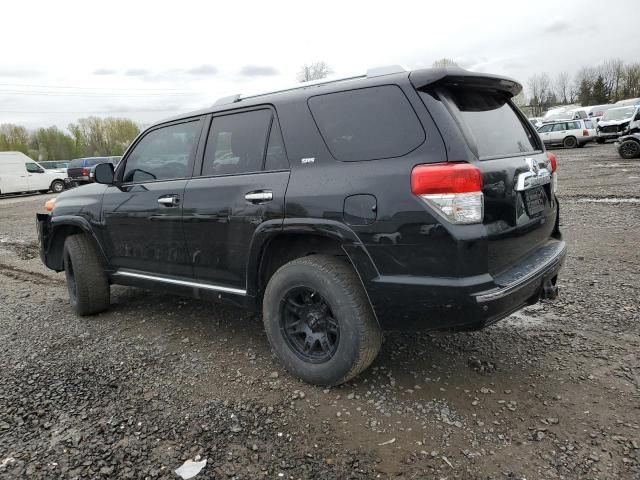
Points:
x=169, y=200
x=260, y=196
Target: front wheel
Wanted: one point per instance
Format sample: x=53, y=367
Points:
x=57, y=186
x=86, y=280
x=318, y=320
x=629, y=149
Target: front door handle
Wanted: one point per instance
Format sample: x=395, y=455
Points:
x=260, y=196
x=169, y=200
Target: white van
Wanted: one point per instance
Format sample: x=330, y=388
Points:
x=18, y=173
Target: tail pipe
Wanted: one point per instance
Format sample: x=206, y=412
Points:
x=550, y=289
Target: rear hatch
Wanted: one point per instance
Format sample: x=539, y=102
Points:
x=74, y=170
x=519, y=205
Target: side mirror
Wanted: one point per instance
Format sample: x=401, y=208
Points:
x=104, y=173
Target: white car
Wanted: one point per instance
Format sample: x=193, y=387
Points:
x=19, y=173
x=568, y=133
x=618, y=121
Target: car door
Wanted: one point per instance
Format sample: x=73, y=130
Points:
x=558, y=132
x=240, y=186
x=545, y=133
x=36, y=177
x=142, y=211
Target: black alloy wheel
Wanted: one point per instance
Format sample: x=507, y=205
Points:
x=308, y=325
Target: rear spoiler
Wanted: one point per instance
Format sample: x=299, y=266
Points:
x=455, y=76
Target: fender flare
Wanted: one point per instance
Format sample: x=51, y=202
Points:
x=331, y=229
x=52, y=246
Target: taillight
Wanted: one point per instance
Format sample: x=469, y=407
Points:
x=554, y=167
x=585, y=133
x=454, y=189
x=85, y=172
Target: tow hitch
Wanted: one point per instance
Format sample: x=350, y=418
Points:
x=550, y=289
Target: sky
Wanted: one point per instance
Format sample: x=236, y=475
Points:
x=147, y=60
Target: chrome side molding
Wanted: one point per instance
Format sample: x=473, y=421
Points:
x=184, y=283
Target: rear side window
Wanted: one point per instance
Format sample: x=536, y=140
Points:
x=276, y=158
x=491, y=122
x=236, y=143
x=367, y=124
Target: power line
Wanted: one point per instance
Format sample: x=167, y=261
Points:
x=91, y=94
x=86, y=111
x=85, y=88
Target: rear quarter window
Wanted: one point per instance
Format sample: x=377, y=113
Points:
x=367, y=124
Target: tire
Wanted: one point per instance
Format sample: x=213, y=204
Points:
x=570, y=142
x=86, y=280
x=629, y=149
x=57, y=186
x=600, y=140
x=356, y=337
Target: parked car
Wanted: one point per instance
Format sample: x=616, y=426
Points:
x=628, y=146
x=569, y=134
x=79, y=170
x=565, y=113
x=394, y=200
x=629, y=102
x=59, y=166
x=618, y=121
x=596, y=112
x=19, y=173
x=536, y=122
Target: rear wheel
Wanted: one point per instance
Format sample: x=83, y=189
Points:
x=319, y=321
x=86, y=280
x=57, y=186
x=629, y=149
x=570, y=142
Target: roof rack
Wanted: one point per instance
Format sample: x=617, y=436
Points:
x=371, y=73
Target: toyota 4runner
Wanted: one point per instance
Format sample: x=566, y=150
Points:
x=394, y=200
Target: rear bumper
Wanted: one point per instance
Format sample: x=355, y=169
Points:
x=466, y=303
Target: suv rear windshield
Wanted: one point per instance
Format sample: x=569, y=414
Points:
x=489, y=122
x=367, y=124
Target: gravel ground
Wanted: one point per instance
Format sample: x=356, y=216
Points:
x=551, y=392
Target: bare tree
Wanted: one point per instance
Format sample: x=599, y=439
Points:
x=631, y=81
x=612, y=72
x=562, y=87
x=314, y=71
x=540, y=90
x=444, y=62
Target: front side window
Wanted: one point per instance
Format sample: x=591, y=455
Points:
x=367, y=124
x=545, y=128
x=236, y=143
x=32, y=167
x=162, y=154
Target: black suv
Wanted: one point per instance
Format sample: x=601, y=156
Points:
x=393, y=200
